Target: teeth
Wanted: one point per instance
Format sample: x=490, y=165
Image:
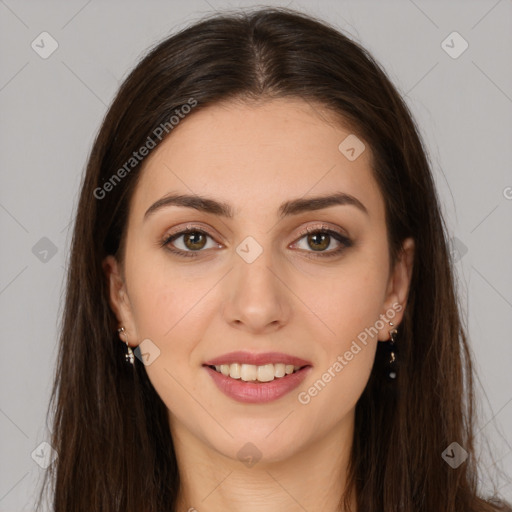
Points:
x=251, y=372
x=279, y=370
x=234, y=371
x=248, y=372
x=266, y=373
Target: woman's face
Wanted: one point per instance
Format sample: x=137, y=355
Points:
x=249, y=288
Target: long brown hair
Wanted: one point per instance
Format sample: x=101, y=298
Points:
x=110, y=427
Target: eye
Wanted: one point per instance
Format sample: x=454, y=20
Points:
x=192, y=241
x=320, y=239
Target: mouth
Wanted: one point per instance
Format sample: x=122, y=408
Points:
x=257, y=378
x=256, y=374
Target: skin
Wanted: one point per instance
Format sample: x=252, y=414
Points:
x=254, y=156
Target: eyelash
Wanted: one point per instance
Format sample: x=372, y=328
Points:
x=346, y=242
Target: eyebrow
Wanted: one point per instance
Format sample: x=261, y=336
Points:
x=292, y=207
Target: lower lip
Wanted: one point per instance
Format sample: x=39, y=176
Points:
x=256, y=393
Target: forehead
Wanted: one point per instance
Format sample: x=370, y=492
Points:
x=256, y=155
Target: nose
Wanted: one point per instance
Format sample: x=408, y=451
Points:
x=257, y=299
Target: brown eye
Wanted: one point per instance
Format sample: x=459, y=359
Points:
x=319, y=241
x=189, y=242
x=194, y=241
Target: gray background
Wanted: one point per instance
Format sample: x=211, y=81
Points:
x=51, y=109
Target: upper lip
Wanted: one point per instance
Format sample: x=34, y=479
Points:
x=257, y=359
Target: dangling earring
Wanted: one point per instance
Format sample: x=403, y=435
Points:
x=129, y=352
x=391, y=370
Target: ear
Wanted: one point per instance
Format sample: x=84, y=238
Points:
x=119, y=300
x=398, y=289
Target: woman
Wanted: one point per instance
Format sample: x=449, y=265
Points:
x=260, y=309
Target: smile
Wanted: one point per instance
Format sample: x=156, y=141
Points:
x=250, y=377
x=253, y=373
x=257, y=378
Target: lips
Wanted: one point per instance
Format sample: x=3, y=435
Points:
x=244, y=384
x=257, y=359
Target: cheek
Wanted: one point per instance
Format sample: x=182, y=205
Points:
x=350, y=307
x=347, y=300
x=154, y=303
x=349, y=304
x=338, y=386
x=161, y=297
x=173, y=311
x=168, y=311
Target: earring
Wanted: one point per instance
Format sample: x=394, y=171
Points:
x=391, y=371
x=129, y=352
